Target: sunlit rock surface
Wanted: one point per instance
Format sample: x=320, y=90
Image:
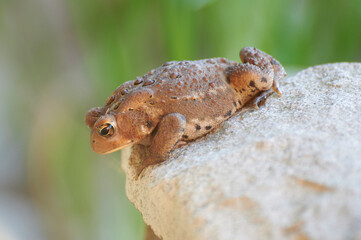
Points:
x=290, y=170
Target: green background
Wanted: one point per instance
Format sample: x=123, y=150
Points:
x=58, y=58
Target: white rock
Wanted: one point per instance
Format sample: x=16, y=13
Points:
x=290, y=170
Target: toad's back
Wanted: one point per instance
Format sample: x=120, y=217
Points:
x=199, y=90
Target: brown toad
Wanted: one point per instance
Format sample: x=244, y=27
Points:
x=181, y=101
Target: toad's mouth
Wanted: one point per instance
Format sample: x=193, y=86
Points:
x=118, y=148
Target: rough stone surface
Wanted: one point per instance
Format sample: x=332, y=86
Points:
x=290, y=170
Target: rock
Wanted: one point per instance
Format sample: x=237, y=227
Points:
x=290, y=170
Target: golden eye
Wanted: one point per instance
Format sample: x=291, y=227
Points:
x=106, y=130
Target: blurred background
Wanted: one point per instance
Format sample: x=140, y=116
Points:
x=58, y=58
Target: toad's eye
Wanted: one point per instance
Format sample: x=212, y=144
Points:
x=106, y=130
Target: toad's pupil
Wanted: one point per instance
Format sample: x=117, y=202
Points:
x=104, y=131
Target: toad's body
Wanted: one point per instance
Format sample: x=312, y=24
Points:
x=197, y=90
x=180, y=102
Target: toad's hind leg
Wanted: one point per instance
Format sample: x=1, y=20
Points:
x=258, y=77
x=167, y=134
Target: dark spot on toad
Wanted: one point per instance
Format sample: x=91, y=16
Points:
x=263, y=79
x=235, y=104
x=185, y=136
x=150, y=96
x=228, y=113
x=116, y=106
x=251, y=83
x=110, y=100
x=208, y=127
x=239, y=101
x=138, y=80
x=198, y=127
x=273, y=62
x=148, y=82
x=130, y=109
x=149, y=124
x=124, y=91
x=173, y=97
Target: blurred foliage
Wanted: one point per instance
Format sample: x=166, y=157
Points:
x=61, y=57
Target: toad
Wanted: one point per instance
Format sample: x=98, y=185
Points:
x=180, y=102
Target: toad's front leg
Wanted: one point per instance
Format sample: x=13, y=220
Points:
x=167, y=134
x=258, y=77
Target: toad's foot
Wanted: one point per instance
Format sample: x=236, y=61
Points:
x=259, y=75
x=261, y=98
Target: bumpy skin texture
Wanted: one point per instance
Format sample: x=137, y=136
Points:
x=181, y=101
